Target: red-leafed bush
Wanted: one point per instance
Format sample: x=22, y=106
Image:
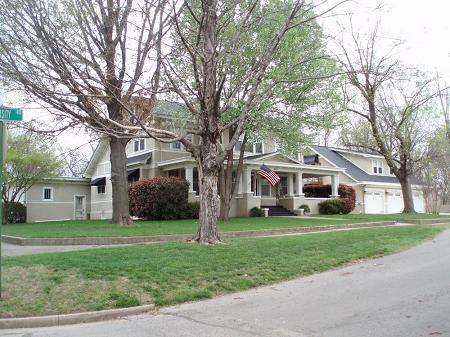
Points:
x=159, y=198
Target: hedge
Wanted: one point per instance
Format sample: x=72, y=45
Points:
x=160, y=198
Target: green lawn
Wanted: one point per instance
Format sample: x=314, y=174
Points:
x=96, y=228
x=177, y=272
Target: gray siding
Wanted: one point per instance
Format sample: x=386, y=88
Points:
x=62, y=205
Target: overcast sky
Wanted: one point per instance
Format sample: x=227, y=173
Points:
x=423, y=26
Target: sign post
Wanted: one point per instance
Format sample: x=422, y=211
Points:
x=6, y=115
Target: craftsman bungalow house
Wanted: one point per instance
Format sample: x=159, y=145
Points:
x=377, y=191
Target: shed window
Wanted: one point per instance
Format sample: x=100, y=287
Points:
x=48, y=193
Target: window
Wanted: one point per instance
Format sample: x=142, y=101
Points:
x=265, y=188
x=175, y=146
x=47, y=193
x=101, y=189
x=256, y=148
x=139, y=145
x=377, y=166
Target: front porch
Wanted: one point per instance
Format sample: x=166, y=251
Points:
x=255, y=191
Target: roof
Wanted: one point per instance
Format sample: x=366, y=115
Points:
x=169, y=108
x=140, y=159
x=352, y=170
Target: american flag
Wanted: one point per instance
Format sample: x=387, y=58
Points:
x=268, y=174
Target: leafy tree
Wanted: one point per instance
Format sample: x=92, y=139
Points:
x=227, y=58
x=30, y=158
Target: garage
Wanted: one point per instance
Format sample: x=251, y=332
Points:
x=374, y=201
x=418, y=201
x=394, y=201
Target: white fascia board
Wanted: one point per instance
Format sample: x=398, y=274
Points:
x=175, y=161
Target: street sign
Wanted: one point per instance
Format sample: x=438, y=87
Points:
x=11, y=114
x=6, y=115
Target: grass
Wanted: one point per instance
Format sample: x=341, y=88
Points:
x=177, y=272
x=98, y=228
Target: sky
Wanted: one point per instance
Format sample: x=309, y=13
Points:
x=423, y=26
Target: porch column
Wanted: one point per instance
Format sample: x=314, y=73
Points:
x=189, y=175
x=299, y=184
x=290, y=184
x=246, y=180
x=334, y=186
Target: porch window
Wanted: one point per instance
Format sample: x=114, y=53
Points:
x=101, y=189
x=283, y=186
x=265, y=188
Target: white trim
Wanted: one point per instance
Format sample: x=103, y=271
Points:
x=101, y=201
x=309, y=198
x=47, y=201
x=43, y=193
x=366, y=155
x=52, y=220
x=175, y=161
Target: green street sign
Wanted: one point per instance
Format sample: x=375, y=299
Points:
x=11, y=114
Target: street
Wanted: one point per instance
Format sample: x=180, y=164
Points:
x=402, y=295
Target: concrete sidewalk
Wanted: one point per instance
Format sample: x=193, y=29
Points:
x=402, y=295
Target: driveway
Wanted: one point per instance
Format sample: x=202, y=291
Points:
x=402, y=295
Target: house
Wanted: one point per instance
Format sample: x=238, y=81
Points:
x=377, y=191
x=61, y=198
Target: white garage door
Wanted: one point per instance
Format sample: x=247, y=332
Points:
x=374, y=202
x=394, y=201
x=418, y=202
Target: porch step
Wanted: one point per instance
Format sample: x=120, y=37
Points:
x=278, y=211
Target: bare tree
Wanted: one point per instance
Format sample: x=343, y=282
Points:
x=393, y=102
x=444, y=100
x=88, y=60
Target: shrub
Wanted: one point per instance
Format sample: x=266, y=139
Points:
x=346, y=193
x=256, y=212
x=159, y=198
x=305, y=208
x=192, y=210
x=332, y=206
x=14, y=212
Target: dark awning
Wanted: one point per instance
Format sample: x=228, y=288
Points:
x=140, y=159
x=132, y=172
x=98, y=182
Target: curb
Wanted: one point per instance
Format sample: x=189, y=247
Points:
x=82, y=317
x=105, y=241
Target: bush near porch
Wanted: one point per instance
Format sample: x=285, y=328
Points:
x=344, y=205
x=161, y=198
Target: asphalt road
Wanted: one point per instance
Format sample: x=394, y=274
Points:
x=402, y=295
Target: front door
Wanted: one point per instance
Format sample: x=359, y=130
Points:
x=80, y=207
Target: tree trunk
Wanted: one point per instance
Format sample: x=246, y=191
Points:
x=408, y=201
x=209, y=204
x=120, y=200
